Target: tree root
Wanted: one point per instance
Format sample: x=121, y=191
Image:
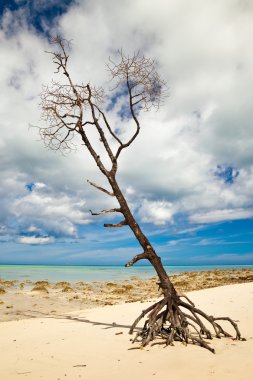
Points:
x=172, y=319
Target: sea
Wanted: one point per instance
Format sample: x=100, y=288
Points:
x=88, y=273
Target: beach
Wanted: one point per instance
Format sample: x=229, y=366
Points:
x=50, y=333
x=28, y=299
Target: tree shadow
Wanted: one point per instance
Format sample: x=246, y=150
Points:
x=37, y=314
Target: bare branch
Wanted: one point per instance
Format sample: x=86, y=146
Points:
x=88, y=123
x=101, y=188
x=120, y=224
x=63, y=104
x=106, y=211
x=136, y=258
x=143, y=84
x=108, y=126
x=134, y=118
x=99, y=129
x=142, y=76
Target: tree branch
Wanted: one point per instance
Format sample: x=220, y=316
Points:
x=101, y=188
x=94, y=155
x=136, y=258
x=131, y=106
x=108, y=126
x=99, y=129
x=120, y=224
x=106, y=211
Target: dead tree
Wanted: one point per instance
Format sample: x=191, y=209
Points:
x=71, y=110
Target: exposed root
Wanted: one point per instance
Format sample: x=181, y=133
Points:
x=170, y=320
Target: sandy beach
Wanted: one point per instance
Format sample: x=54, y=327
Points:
x=79, y=341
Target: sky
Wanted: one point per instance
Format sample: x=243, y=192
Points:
x=188, y=177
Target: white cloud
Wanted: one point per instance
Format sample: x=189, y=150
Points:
x=206, y=121
x=156, y=212
x=221, y=215
x=54, y=212
x=35, y=240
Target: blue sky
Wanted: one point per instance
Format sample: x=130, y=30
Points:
x=38, y=14
x=219, y=243
x=189, y=176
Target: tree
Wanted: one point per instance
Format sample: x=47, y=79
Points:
x=72, y=110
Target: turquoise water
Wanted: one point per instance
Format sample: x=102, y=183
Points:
x=94, y=273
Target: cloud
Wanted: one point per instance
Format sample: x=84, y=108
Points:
x=35, y=240
x=156, y=212
x=56, y=213
x=170, y=169
x=44, y=212
x=213, y=241
x=226, y=258
x=221, y=215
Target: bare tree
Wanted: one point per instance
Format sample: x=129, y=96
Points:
x=73, y=110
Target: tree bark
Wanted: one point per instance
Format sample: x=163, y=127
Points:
x=149, y=253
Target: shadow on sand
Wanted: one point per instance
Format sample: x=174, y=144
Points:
x=106, y=325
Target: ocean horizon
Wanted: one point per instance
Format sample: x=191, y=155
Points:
x=88, y=273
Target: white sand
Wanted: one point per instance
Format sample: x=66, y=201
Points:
x=88, y=346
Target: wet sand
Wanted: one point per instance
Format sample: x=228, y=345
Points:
x=20, y=300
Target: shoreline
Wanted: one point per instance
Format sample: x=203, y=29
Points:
x=91, y=273
x=27, y=299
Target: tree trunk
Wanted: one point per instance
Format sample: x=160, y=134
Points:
x=149, y=252
x=167, y=319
